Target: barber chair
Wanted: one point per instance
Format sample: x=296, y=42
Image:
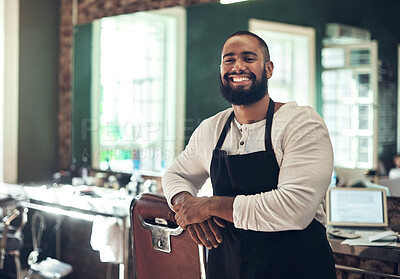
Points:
x=160, y=248
x=13, y=219
x=49, y=268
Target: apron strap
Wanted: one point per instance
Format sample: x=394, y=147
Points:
x=225, y=131
x=268, y=126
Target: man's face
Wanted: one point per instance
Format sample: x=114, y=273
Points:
x=396, y=161
x=243, y=73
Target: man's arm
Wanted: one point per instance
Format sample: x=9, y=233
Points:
x=189, y=171
x=304, y=154
x=203, y=233
x=198, y=209
x=305, y=169
x=182, y=181
x=179, y=184
x=191, y=168
x=215, y=206
x=180, y=197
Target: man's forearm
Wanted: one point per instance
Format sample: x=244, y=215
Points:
x=180, y=197
x=221, y=207
x=217, y=206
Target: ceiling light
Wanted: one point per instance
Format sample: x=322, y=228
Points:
x=230, y=1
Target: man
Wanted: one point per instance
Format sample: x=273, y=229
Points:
x=270, y=166
x=394, y=172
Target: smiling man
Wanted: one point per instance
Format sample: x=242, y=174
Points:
x=270, y=165
x=241, y=82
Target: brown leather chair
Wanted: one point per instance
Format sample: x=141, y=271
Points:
x=161, y=249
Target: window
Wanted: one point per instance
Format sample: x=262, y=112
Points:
x=349, y=89
x=137, y=95
x=292, y=50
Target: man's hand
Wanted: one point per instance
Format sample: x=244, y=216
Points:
x=207, y=233
x=199, y=209
x=202, y=216
x=192, y=210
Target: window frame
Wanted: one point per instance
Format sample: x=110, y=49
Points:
x=309, y=34
x=176, y=141
x=372, y=69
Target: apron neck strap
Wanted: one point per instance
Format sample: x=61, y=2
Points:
x=268, y=126
x=225, y=130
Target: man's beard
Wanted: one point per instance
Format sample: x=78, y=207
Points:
x=244, y=96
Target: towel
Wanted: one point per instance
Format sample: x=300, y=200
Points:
x=107, y=238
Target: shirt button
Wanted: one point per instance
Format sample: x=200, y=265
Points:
x=241, y=143
x=241, y=130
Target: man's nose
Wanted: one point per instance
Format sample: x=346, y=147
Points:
x=239, y=66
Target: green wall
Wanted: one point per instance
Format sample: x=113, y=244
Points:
x=209, y=25
x=81, y=114
x=38, y=89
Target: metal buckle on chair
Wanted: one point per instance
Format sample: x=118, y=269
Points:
x=161, y=235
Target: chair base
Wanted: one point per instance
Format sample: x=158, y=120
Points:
x=49, y=269
x=11, y=272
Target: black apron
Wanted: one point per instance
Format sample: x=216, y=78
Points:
x=246, y=254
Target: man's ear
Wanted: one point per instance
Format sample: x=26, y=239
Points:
x=269, y=68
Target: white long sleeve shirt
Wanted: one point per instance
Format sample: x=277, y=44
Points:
x=394, y=173
x=304, y=154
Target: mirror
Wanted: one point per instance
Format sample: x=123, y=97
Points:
x=129, y=90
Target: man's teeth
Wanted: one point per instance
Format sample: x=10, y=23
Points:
x=236, y=79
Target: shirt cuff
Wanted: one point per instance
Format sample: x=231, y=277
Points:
x=238, y=208
x=176, y=191
x=242, y=213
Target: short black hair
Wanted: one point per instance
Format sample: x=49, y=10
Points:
x=262, y=43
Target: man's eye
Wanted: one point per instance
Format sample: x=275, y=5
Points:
x=250, y=59
x=228, y=61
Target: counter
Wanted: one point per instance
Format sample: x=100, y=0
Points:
x=361, y=261
x=82, y=203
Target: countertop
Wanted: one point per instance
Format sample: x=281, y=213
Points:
x=90, y=200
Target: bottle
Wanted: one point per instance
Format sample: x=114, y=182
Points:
x=333, y=179
x=84, y=170
x=150, y=186
x=73, y=170
x=136, y=180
